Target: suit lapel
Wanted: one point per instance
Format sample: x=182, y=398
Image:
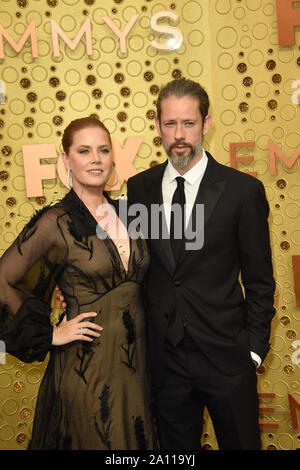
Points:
x=208, y=194
x=161, y=245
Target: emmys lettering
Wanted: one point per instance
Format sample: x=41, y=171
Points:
x=287, y=18
x=173, y=42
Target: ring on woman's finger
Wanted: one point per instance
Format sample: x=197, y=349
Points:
x=80, y=331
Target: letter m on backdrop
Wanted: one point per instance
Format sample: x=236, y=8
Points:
x=287, y=18
x=274, y=151
x=30, y=31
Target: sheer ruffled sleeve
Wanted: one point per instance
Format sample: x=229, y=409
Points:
x=29, y=271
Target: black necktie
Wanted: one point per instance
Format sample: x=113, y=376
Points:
x=177, y=218
x=175, y=329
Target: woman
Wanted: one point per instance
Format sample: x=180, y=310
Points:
x=95, y=392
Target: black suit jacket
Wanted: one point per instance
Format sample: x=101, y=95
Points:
x=225, y=319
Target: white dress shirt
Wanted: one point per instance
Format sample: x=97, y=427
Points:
x=193, y=178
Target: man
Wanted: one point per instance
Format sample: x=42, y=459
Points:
x=206, y=333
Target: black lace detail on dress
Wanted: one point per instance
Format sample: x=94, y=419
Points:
x=90, y=284
x=137, y=258
x=83, y=223
x=85, y=280
x=82, y=241
x=115, y=259
x=103, y=428
x=139, y=429
x=129, y=348
x=141, y=247
x=29, y=228
x=84, y=354
x=42, y=283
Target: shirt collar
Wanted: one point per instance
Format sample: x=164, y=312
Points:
x=190, y=176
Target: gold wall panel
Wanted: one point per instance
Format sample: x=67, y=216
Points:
x=231, y=47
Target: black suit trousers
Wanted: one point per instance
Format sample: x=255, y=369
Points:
x=192, y=382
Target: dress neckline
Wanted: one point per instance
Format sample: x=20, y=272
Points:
x=84, y=223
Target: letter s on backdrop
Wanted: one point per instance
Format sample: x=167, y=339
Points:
x=176, y=35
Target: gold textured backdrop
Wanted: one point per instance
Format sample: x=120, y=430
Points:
x=231, y=47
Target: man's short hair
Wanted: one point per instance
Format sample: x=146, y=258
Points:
x=184, y=87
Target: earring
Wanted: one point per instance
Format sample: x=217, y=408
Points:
x=111, y=185
x=69, y=178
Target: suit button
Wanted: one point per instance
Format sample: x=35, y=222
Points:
x=177, y=283
x=166, y=316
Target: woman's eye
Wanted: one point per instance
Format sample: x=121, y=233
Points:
x=83, y=151
x=104, y=151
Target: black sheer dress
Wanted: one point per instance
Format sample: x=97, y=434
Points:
x=93, y=395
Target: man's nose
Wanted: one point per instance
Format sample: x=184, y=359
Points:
x=179, y=132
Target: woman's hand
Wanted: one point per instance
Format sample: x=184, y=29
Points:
x=79, y=328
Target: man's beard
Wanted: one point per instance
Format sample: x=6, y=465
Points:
x=180, y=161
